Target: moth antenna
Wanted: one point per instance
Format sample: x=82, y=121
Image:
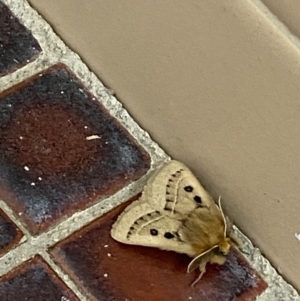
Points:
x=190, y=266
x=223, y=215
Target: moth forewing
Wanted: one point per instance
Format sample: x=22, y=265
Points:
x=121, y=227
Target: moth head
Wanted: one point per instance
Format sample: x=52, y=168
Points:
x=224, y=245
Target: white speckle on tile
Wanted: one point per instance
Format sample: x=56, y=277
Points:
x=62, y=92
x=190, y=297
x=105, y=275
x=26, y=168
x=20, y=213
x=32, y=184
x=92, y=137
x=40, y=179
x=105, y=246
x=108, y=254
x=85, y=126
x=21, y=137
x=9, y=105
x=297, y=235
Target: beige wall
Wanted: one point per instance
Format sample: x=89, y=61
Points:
x=216, y=84
x=288, y=12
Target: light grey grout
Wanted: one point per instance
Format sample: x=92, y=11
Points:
x=278, y=288
x=63, y=276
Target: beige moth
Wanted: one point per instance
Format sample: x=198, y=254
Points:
x=176, y=213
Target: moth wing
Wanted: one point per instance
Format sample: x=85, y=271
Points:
x=156, y=219
x=142, y=225
x=175, y=190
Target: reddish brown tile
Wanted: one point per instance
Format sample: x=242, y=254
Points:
x=108, y=270
x=48, y=169
x=17, y=45
x=10, y=234
x=34, y=280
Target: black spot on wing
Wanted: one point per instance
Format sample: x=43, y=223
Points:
x=188, y=188
x=169, y=235
x=153, y=232
x=197, y=199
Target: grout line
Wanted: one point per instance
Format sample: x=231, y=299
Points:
x=65, y=278
x=278, y=288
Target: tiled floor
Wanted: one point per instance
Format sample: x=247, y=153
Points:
x=34, y=280
x=68, y=154
x=61, y=149
x=17, y=46
x=10, y=235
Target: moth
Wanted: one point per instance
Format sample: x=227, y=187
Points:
x=176, y=213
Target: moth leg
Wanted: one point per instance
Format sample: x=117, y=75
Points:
x=205, y=257
x=202, y=268
x=202, y=262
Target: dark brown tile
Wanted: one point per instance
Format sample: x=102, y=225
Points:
x=17, y=45
x=48, y=169
x=34, y=280
x=108, y=270
x=10, y=234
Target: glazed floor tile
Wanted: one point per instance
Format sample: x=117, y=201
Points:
x=17, y=45
x=60, y=149
x=34, y=280
x=10, y=234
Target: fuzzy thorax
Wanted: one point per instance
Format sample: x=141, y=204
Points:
x=224, y=245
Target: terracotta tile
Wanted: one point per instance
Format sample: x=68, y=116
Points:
x=48, y=169
x=108, y=270
x=17, y=45
x=34, y=280
x=10, y=234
